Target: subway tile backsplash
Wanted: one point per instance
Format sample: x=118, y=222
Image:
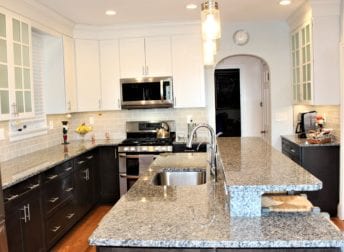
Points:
x=112, y=122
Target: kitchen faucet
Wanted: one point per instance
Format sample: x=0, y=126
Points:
x=213, y=145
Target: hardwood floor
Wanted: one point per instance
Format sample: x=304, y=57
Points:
x=77, y=238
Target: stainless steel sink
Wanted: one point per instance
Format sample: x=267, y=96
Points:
x=179, y=177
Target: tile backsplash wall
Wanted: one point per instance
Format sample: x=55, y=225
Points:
x=104, y=122
x=331, y=113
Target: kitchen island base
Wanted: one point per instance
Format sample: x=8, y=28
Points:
x=111, y=249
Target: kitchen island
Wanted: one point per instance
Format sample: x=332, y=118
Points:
x=197, y=217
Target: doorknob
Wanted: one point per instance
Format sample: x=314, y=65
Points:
x=263, y=132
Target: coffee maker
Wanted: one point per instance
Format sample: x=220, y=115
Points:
x=306, y=122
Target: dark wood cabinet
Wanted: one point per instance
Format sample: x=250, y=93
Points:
x=85, y=180
x=24, y=222
x=107, y=168
x=323, y=162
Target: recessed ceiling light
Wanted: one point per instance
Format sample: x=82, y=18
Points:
x=110, y=12
x=191, y=6
x=285, y=2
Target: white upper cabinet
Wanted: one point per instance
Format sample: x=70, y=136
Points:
x=145, y=57
x=158, y=56
x=16, y=92
x=315, y=55
x=109, y=70
x=188, y=71
x=69, y=74
x=88, y=75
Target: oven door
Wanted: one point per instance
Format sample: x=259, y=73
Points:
x=131, y=166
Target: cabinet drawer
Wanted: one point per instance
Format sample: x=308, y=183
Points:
x=59, y=223
x=56, y=192
x=293, y=151
x=58, y=171
x=84, y=159
x=14, y=193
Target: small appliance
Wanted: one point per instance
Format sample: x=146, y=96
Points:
x=306, y=122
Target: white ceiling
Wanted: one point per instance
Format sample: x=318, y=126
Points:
x=154, y=11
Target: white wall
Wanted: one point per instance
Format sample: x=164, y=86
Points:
x=270, y=42
x=250, y=92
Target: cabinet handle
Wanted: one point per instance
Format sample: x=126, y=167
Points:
x=55, y=229
x=25, y=216
x=292, y=150
x=115, y=154
x=12, y=197
x=89, y=157
x=81, y=162
x=87, y=174
x=70, y=216
x=69, y=106
x=143, y=70
x=175, y=101
x=99, y=104
x=33, y=186
x=53, y=177
x=119, y=103
x=28, y=212
x=53, y=200
x=69, y=168
x=69, y=189
x=147, y=70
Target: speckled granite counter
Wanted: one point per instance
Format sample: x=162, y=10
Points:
x=197, y=217
x=252, y=167
x=303, y=141
x=16, y=170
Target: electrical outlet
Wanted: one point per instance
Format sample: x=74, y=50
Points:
x=2, y=134
x=91, y=119
x=51, y=125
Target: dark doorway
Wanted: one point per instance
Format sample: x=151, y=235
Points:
x=227, y=100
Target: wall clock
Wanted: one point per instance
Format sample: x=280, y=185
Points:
x=241, y=37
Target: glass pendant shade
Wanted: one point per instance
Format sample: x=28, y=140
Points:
x=210, y=47
x=210, y=17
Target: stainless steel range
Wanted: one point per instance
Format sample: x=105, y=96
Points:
x=145, y=141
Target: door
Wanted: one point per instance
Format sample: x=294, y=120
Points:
x=265, y=104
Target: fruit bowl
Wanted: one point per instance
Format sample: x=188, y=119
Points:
x=83, y=129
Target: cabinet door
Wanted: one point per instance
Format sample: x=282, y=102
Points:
x=88, y=75
x=109, y=69
x=188, y=71
x=4, y=70
x=24, y=224
x=109, y=176
x=132, y=57
x=158, y=56
x=69, y=74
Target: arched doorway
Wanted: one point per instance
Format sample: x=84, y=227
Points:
x=242, y=97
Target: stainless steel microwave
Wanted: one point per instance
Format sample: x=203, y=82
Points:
x=149, y=92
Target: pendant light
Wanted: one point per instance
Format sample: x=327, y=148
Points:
x=210, y=17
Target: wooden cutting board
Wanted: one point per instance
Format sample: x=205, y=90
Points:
x=286, y=203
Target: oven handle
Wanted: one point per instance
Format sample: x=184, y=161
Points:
x=128, y=156
x=124, y=175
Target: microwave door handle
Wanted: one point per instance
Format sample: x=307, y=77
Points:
x=161, y=90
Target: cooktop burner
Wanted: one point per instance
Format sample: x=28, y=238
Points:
x=147, y=141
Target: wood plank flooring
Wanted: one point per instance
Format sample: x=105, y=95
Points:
x=77, y=237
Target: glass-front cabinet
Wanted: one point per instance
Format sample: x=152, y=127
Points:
x=301, y=45
x=16, y=93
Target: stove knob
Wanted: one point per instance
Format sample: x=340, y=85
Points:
x=132, y=148
x=126, y=148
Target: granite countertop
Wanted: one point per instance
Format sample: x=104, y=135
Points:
x=303, y=141
x=197, y=216
x=18, y=169
x=250, y=162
